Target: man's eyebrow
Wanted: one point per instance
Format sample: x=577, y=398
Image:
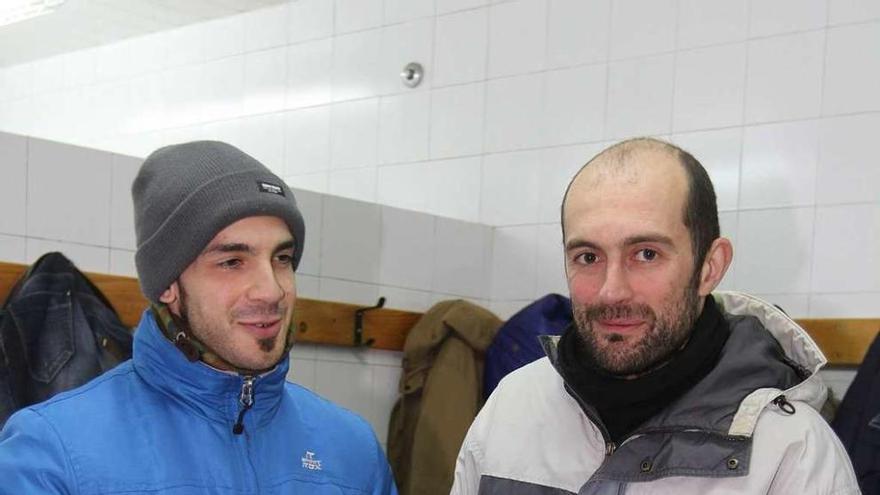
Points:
x=578, y=243
x=289, y=244
x=231, y=247
x=649, y=238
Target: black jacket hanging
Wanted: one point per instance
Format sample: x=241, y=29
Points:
x=857, y=421
x=57, y=331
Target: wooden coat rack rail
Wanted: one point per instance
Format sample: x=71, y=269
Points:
x=318, y=322
x=844, y=341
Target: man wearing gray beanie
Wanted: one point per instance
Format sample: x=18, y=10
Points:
x=203, y=405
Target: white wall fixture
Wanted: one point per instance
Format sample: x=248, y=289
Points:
x=412, y=73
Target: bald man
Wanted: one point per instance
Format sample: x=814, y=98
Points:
x=659, y=385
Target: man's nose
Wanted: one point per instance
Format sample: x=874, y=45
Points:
x=265, y=286
x=616, y=287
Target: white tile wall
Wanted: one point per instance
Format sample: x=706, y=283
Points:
x=309, y=73
x=550, y=264
x=574, y=105
x=847, y=249
x=462, y=263
x=224, y=86
x=845, y=305
x=784, y=79
x=653, y=20
x=785, y=16
x=779, y=164
x=457, y=120
x=122, y=262
x=460, y=52
x=13, y=187
x=265, y=28
x=446, y=6
x=307, y=140
x=356, y=65
x=514, y=263
x=577, y=32
x=86, y=258
x=224, y=37
x=357, y=15
x=774, y=250
x=403, y=127
x=12, y=248
x=712, y=22
x=453, y=188
x=729, y=223
x=852, y=74
x=350, y=235
x=395, y=185
x=311, y=205
x=408, y=245
x=640, y=97
x=122, y=172
x=509, y=194
x=513, y=105
x=556, y=168
x=354, y=131
x=402, y=44
x=309, y=19
x=265, y=80
x=407, y=10
x=846, y=160
x=68, y=193
x=517, y=38
x=263, y=137
x=843, y=11
x=709, y=87
x=720, y=153
x=354, y=183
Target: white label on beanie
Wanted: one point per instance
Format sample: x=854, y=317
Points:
x=270, y=188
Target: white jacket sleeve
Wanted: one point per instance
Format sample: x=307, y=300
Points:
x=467, y=468
x=813, y=461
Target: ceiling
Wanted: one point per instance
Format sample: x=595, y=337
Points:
x=81, y=24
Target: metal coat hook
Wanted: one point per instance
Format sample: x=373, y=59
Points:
x=359, y=324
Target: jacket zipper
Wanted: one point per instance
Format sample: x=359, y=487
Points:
x=610, y=446
x=783, y=404
x=245, y=402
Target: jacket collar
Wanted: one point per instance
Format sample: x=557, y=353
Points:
x=208, y=392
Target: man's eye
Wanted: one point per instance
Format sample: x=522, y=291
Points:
x=231, y=263
x=285, y=259
x=588, y=258
x=646, y=255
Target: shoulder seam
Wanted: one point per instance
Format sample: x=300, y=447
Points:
x=60, y=440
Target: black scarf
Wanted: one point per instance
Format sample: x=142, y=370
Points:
x=624, y=404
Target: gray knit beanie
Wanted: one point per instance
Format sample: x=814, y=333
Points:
x=184, y=194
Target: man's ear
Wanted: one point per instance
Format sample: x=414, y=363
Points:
x=717, y=261
x=171, y=298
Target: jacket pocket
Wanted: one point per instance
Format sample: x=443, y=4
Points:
x=45, y=324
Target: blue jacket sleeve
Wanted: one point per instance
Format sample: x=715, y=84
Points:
x=384, y=484
x=32, y=457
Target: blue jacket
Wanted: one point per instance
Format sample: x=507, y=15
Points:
x=518, y=342
x=160, y=424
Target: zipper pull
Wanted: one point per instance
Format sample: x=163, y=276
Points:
x=246, y=401
x=783, y=404
x=610, y=447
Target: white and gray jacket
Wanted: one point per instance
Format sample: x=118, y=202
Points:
x=726, y=435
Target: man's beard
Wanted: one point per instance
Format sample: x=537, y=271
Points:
x=666, y=333
x=184, y=322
